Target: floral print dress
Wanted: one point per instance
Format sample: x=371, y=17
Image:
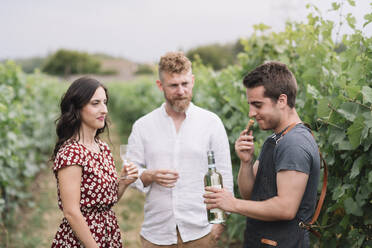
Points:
x=98, y=193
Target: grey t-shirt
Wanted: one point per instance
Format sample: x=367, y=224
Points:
x=297, y=150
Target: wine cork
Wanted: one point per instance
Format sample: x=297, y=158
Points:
x=249, y=125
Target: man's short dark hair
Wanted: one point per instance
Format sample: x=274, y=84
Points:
x=276, y=78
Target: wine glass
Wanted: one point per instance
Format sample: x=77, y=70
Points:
x=124, y=157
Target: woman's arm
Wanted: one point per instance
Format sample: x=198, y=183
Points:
x=69, y=179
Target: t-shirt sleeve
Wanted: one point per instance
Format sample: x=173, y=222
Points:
x=68, y=156
x=293, y=157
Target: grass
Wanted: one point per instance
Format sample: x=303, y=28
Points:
x=32, y=225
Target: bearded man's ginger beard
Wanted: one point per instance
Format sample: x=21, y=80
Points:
x=179, y=105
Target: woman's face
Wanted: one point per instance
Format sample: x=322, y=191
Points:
x=93, y=114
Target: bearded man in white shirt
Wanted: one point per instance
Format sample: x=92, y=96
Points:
x=170, y=146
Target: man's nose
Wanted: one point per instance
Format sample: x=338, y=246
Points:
x=252, y=112
x=181, y=90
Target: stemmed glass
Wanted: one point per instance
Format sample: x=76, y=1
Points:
x=124, y=157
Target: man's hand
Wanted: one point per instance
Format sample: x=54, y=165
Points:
x=165, y=178
x=219, y=198
x=244, y=146
x=217, y=230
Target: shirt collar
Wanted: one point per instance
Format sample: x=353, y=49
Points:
x=188, y=112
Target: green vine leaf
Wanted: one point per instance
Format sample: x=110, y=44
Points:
x=351, y=207
x=352, y=91
x=357, y=166
x=367, y=94
x=351, y=2
x=351, y=20
x=323, y=109
x=368, y=119
x=313, y=91
x=354, y=132
x=335, y=6
x=349, y=110
x=368, y=18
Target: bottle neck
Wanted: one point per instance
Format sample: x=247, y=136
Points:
x=212, y=167
x=211, y=162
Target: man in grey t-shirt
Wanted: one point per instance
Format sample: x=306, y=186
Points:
x=279, y=189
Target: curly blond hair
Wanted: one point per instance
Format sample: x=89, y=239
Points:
x=174, y=62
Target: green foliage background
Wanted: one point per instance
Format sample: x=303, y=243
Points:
x=335, y=98
x=131, y=100
x=28, y=107
x=216, y=55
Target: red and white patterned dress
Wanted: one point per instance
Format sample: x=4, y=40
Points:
x=98, y=193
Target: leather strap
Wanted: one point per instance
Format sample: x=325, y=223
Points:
x=309, y=226
x=269, y=242
x=286, y=130
x=289, y=128
x=323, y=192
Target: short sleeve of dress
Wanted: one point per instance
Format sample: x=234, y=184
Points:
x=68, y=155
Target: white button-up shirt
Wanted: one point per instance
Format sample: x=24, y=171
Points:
x=154, y=144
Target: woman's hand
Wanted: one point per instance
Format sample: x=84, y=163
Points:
x=129, y=173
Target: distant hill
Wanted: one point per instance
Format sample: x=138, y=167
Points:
x=30, y=64
x=117, y=69
x=112, y=68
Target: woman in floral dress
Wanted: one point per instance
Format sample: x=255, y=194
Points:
x=87, y=182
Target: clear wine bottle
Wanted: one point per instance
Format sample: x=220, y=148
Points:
x=214, y=179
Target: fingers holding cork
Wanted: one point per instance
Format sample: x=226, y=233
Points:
x=249, y=126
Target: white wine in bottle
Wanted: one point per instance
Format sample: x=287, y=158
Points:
x=214, y=179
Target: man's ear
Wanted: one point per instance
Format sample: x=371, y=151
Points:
x=160, y=86
x=282, y=100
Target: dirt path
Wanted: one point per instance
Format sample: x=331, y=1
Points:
x=38, y=223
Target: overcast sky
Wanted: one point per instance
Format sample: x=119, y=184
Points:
x=142, y=30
